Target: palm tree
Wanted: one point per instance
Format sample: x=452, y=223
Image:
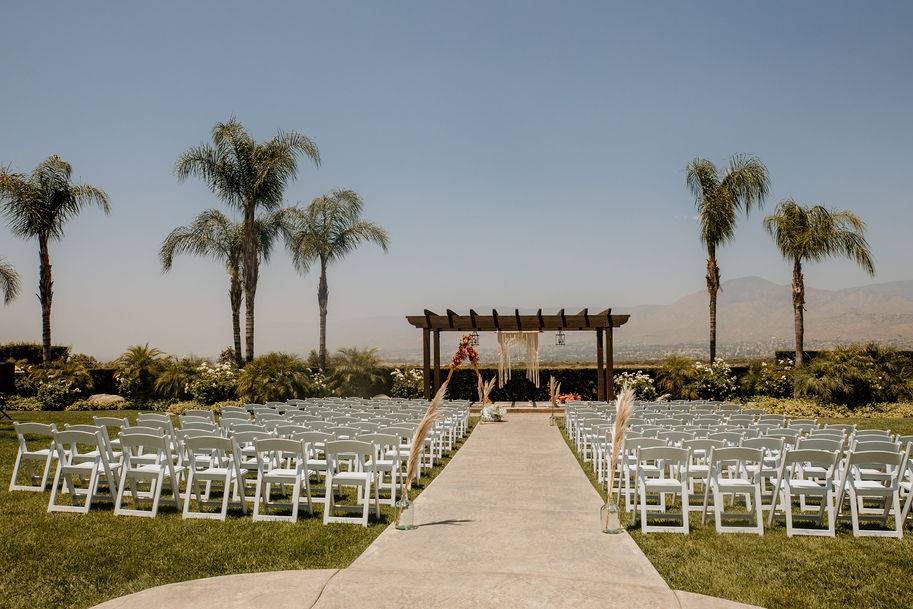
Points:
x=212, y=234
x=248, y=176
x=325, y=232
x=38, y=206
x=9, y=281
x=815, y=233
x=719, y=201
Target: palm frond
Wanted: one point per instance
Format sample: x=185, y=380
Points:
x=9, y=281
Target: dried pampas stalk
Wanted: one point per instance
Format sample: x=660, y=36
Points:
x=485, y=389
x=554, y=390
x=624, y=405
x=418, y=440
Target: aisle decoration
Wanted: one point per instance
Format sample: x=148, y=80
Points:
x=505, y=341
x=405, y=515
x=624, y=405
x=554, y=390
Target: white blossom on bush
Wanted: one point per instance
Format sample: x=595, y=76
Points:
x=639, y=381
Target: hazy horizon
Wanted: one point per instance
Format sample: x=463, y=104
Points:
x=524, y=153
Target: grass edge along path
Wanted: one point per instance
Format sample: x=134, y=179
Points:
x=79, y=560
x=775, y=571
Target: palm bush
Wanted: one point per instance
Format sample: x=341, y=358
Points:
x=176, y=376
x=138, y=368
x=855, y=376
x=676, y=376
x=274, y=377
x=356, y=372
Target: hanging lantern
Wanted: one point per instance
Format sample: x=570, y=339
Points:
x=560, y=338
x=474, y=338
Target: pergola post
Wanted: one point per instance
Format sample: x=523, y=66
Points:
x=426, y=361
x=610, y=361
x=600, y=372
x=437, y=362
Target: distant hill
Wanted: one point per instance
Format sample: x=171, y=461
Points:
x=754, y=318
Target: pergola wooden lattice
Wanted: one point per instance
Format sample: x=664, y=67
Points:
x=601, y=323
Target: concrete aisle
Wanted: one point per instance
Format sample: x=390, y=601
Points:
x=512, y=521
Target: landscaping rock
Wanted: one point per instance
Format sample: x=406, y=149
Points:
x=105, y=398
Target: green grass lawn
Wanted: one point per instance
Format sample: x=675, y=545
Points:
x=77, y=560
x=777, y=572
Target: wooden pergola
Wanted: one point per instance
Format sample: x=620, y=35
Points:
x=601, y=323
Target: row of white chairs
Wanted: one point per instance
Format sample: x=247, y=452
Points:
x=292, y=453
x=824, y=470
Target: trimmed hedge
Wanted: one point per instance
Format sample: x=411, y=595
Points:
x=810, y=355
x=30, y=352
x=573, y=380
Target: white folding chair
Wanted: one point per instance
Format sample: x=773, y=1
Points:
x=385, y=462
x=794, y=480
x=886, y=491
x=212, y=459
x=672, y=464
x=147, y=458
x=81, y=454
x=280, y=462
x=27, y=456
x=355, y=453
x=729, y=475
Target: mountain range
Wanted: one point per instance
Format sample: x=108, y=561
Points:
x=754, y=318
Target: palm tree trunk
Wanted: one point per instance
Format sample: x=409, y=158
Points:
x=234, y=295
x=713, y=287
x=799, y=311
x=250, y=276
x=323, y=294
x=45, y=295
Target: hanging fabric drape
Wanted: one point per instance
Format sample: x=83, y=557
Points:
x=530, y=340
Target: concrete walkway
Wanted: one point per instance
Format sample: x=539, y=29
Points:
x=512, y=521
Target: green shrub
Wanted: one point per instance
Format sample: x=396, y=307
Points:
x=773, y=379
x=856, y=375
x=640, y=382
x=215, y=383
x=22, y=403
x=804, y=408
x=274, y=377
x=407, y=383
x=714, y=381
x=59, y=383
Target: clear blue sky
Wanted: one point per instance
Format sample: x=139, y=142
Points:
x=518, y=153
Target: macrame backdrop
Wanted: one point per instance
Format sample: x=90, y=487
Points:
x=505, y=342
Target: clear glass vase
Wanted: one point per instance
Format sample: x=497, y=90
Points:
x=611, y=519
x=405, y=520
